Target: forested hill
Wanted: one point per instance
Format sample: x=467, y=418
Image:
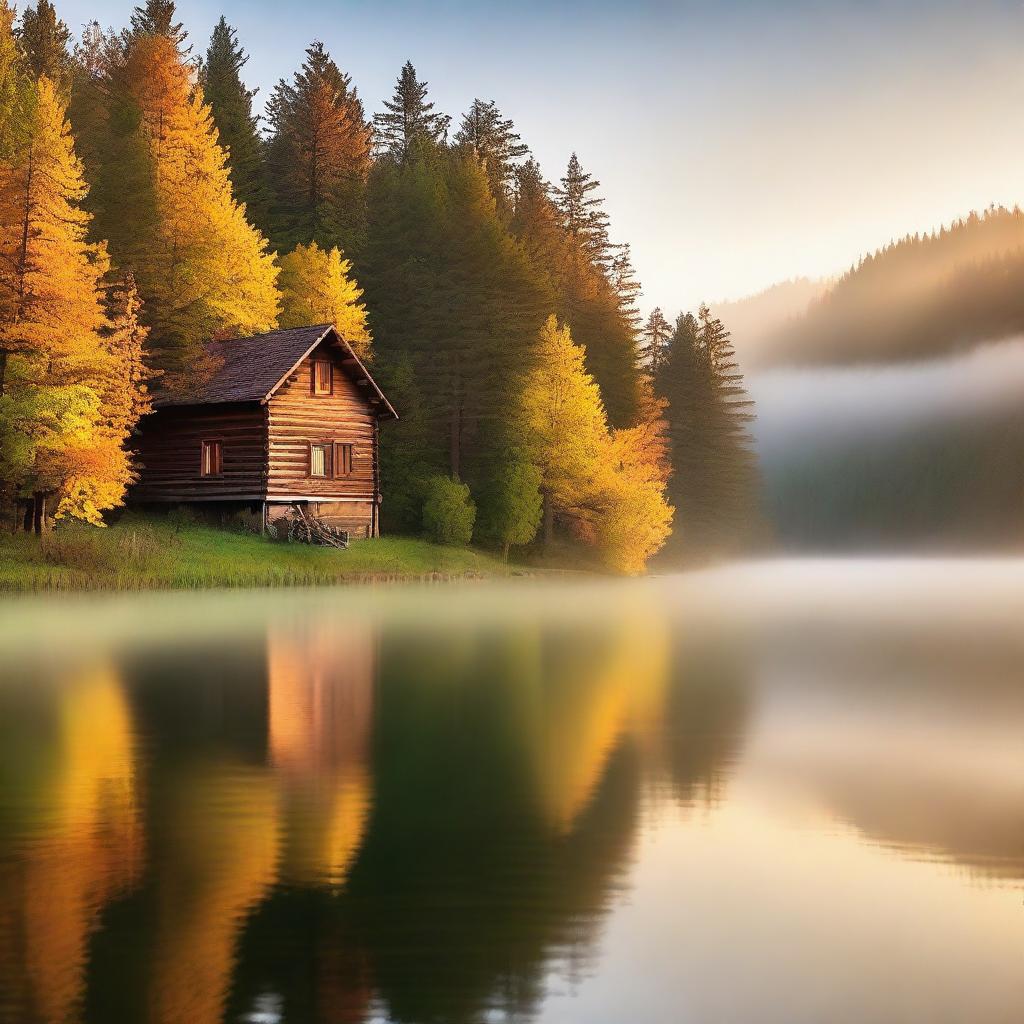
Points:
x=921, y=296
x=755, y=321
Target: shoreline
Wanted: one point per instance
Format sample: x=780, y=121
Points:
x=144, y=555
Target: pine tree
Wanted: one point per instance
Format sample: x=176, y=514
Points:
x=318, y=157
x=453, y=296
x=55, y=426
x=626, y=287
x=593, y=281
x=44, y=39
x=14, y=85
x=583, y=214
x=166, y=205
x=657, y=333
x=237, y=127
x=496, y=142
x=410, y=122
x=95, y=56
x=156, y=18
x=715, y=484
x=316, y=288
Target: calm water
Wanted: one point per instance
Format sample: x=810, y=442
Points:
x=785, y=793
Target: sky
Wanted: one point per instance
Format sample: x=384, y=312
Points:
x=737, y=143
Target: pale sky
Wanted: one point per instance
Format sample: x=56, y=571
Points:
x=738, y=143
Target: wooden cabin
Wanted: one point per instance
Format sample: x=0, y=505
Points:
x=290, y=417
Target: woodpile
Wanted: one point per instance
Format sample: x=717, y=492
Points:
x=299, y=524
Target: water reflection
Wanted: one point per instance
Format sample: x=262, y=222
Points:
x=382, y=805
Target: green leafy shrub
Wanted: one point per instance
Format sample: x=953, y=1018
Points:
x=448, y=511
x=512, y=506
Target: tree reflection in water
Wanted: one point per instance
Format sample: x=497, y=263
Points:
x=339, y=809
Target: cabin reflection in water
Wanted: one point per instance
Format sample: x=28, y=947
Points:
x=212, y=835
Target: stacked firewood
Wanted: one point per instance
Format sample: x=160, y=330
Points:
x=299, y=524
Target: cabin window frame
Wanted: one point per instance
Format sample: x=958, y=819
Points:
x=328, y=454
x=344, y=459
x=214, y=445
x=314, y=381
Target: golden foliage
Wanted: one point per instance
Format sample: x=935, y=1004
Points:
x=316, y=289
x=62, y=422
x=202, y=269
x=610, y=486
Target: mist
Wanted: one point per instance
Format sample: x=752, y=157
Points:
x=909, y=454
x=813, y=405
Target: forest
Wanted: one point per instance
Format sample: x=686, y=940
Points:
x=920, y=296
x=147, y=209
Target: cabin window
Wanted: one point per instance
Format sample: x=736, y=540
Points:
x=342, y=460
x=210, y=458
x=319, y=456
x=323, y=383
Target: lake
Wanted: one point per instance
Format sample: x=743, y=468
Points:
x=781, y=792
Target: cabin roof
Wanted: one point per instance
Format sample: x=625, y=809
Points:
x=252, y=369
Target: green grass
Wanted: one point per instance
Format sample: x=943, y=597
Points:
x=144, y=554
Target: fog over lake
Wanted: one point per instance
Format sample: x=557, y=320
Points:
x=814, y=405
x=922, y=455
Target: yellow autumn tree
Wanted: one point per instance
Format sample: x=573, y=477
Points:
x=316, y=289
x=562, y=422
x=607, y=486
x=203, y=271
x=57, y=433
x=635, y=518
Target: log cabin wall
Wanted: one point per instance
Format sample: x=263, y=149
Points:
x=169, y=451
x=297, y=418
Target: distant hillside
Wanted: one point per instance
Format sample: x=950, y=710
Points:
x=755, y=320
x=916, y=298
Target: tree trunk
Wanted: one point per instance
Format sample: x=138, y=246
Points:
x=455, y=450
x=549, y=521
x=38, y=512
x=26, y=522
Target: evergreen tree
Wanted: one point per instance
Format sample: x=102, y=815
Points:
x=318, y=157
x=96, y=54
x=14, y=85
x=231, y=107
x=496, y=142
x=166, y=205
x=410, y=121
x=44, y=39
x=657, y=333
x=57, y=431
x=156, y=18
x=454, y=296
x=316, y=288
x=583, y=214
x=715, y=484
x=626, y=287
x=565, y=233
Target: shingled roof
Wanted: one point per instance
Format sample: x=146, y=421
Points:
x=252, y=368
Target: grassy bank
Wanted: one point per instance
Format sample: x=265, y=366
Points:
x=142, y=554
